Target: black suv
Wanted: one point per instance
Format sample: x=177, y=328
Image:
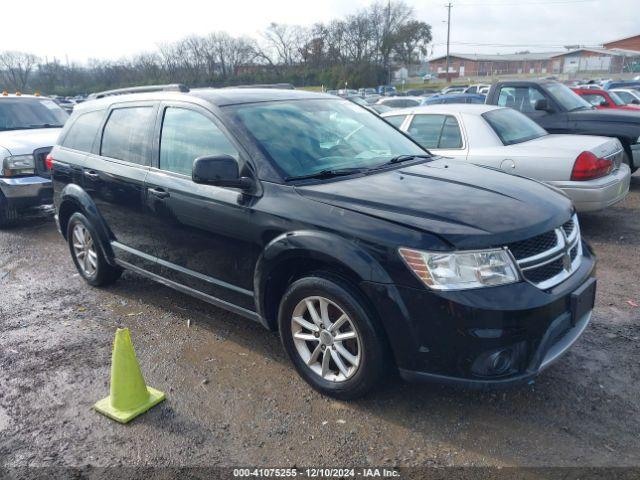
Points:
x=315, y=217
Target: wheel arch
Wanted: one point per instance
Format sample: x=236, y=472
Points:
x=292, y=255
x=75, y=199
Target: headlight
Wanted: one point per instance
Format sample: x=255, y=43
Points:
x=461, y=270
x=18, y=165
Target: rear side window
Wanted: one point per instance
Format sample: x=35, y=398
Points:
x=520, y=98
x=451, y=136
x=83, y=131
x=396, y=120
x=436, y=131
x=126, y=134
x=187, y=135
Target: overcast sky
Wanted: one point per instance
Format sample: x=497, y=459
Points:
x=79, y=30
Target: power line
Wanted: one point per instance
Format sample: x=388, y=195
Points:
x=473, y=44
x=496, y=4
x=448, y=35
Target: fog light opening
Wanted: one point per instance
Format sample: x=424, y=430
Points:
x=495, y=363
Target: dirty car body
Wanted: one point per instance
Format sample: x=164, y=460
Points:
x=371, y=223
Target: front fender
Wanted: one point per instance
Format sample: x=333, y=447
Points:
x=74, y=198
x=326, y=248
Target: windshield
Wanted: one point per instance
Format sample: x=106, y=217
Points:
x=304, y=137
x=567, y=98
x=512, y=126
x=616, y=99
x=26, y=113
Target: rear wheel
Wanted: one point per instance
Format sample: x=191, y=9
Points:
x=86, y=254
x=330, y=337
x=627, y=159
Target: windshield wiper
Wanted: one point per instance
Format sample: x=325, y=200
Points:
x=328, y=173
x=400, y=159
x=44, y=125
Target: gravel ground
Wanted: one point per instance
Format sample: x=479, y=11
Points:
x=234, y=399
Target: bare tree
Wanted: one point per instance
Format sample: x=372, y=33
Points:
x=17, y=67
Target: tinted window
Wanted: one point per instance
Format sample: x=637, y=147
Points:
x=304, y=137
x=28, y=113
x=187, y=135
x=566, y=97
x=83, y=131
x=521, y=98
x=125, y=136
x=396, y=120
x=426, y=129
x=513, y=127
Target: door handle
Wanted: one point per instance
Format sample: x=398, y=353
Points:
x=158, y=192
x=91, y=174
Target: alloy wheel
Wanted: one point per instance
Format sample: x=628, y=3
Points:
x=326, y=339
x=84, y=250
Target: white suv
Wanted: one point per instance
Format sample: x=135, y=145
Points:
x=29, y=127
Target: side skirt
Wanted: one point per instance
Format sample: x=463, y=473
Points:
x=194, y=293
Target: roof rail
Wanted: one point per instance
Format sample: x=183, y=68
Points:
x=173, y=87
x=279, y=86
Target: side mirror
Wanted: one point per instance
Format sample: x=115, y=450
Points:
x=542, y=105
x=219, y=170
x=635, y=101
x=603, y=103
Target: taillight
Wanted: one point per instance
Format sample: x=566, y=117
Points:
x=48, y=162
x=588, y=167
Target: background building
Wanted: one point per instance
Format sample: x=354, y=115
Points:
x=618, y=56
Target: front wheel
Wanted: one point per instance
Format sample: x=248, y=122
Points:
x=8, y=216
x=87, y=257
x=331, y=339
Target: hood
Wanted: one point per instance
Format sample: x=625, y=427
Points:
x=468, y=206
x=572, y=145
x=610, y=115
x=21, y=142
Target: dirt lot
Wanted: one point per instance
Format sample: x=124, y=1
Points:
x=233, y=398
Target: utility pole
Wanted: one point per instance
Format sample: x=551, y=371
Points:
x=448, y=35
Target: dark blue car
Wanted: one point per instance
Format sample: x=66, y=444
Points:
x=454, y=98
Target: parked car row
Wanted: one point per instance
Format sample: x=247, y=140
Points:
x=588, y=169
x=414, y=242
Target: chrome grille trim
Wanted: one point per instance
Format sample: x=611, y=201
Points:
x=564, y=249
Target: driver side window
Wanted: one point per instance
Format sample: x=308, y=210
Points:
x=187, y=135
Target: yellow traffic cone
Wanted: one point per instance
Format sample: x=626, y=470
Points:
x=129, y=395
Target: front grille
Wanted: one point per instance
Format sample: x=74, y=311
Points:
x=533, y=246
x=568, y=228
x=550, y=258
x=39, y=157
x=545, y=272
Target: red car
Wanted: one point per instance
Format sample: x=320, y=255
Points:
x=604, y=99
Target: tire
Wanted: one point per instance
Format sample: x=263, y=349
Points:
x=86, y=255
x=8, y=217
x=366, y=359
x=626, y=159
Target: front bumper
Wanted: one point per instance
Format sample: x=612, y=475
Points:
x=23, y=192
x=592, y=195
x=441, y=336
